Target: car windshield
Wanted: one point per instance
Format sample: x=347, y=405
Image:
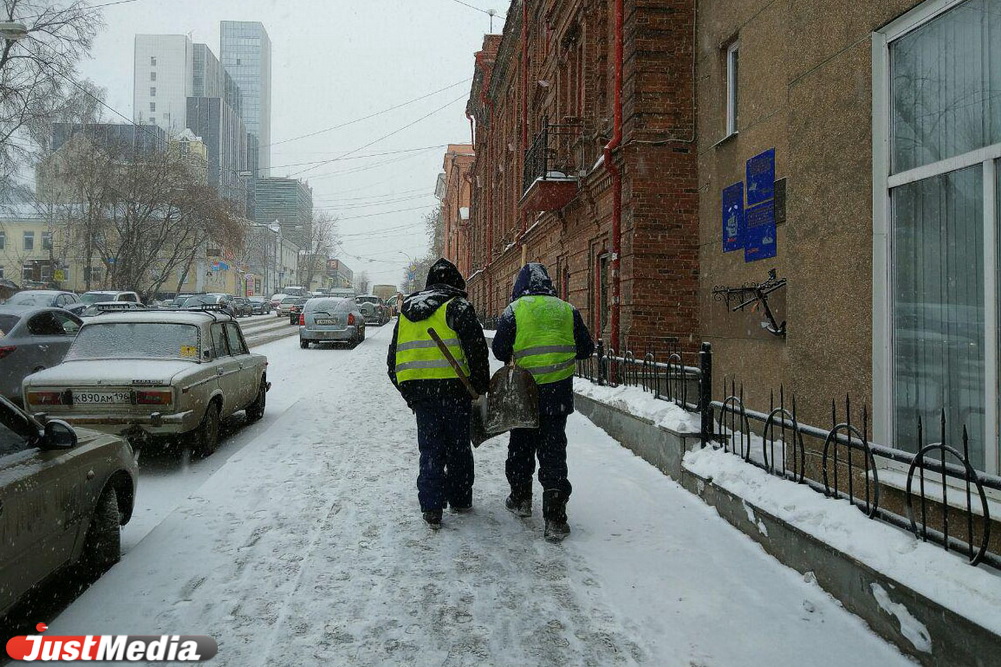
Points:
x=326, y=305
x=200, y=300
x=31, y=299
x=366, y=299
x=135, y=340
x=94, y=297
x=256, y=299
x=290, y=299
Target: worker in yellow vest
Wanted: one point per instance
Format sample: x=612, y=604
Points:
x=544, y=335
x=433, y=390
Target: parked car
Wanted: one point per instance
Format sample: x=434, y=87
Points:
x=373, y=308
x=33, y=339
x=295, y=312
x=285, y=305
x=64, y=494
x=178, y=301
x=222, y=301
x=276, y=299
x=95, y=296
x=259, y=305
x=242, y=307
x=43, y=297
x=90, y=310
x=145, y=374
x=331, y=320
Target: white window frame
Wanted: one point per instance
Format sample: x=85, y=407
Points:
x=732, y=90
x=24, y=241
x=883, y=183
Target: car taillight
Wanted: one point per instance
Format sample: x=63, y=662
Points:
x=45, y=398
x=6, y=350
x=157, y=397
x=351, y=319
x=302, y=319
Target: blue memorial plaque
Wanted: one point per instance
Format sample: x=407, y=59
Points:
x=733, y=217
x=759, y=237
x=761, y=177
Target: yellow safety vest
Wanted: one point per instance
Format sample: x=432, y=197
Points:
x=418, y=356
x=544, y=341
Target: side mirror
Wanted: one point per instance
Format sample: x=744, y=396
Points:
x=58, y=435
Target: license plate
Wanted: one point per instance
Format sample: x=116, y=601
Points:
x=99, y=397
x=323, y=321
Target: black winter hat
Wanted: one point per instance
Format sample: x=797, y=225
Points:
x=443, y=272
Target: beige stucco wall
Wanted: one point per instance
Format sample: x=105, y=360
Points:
x=805, y=90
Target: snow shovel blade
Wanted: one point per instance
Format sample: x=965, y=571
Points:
x=513, y=401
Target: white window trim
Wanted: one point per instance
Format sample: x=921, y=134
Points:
x=883, y=183
x=732, y=79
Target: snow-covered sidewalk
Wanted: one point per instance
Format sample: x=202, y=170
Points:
x=307, y=548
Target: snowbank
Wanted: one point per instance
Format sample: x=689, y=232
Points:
x=640, y=403
x=940, y=576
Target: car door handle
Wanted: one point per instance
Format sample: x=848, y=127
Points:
x=218, y=371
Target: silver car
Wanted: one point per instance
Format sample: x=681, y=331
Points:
x=33, y=339
x=44, y=297
x=331, y=320
x=64, y=495
x=149, y=373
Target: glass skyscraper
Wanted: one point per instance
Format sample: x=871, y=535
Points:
x=245, y=52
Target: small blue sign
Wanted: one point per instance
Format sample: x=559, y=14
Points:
x=733, y=217
x=761, y=177
x=759, y=238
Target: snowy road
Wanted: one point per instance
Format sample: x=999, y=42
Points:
x=304, y=546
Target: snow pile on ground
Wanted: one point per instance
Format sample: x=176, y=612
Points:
x=974, y=592
x=640, y=403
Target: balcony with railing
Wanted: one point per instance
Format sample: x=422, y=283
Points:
x=553, y=164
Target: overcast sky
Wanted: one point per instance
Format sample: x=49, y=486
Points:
x=334, y=61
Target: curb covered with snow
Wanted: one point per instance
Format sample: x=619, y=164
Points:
x=642, y=404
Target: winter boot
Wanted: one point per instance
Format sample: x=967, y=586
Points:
x=554, y=511
x=519, y=505
x=433, y=519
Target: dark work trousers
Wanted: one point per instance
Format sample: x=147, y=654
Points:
x=446, y=474
x=549, y=443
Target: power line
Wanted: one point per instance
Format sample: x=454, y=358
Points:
x=373, y=215
x=373, y=115
x=386, y=136
x=483, y=11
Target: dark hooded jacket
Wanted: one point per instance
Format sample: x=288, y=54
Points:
x=555, y=398
x=444, y=285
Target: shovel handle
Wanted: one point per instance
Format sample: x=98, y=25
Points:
x=451, y=360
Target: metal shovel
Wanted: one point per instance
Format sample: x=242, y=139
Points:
x=477, y=433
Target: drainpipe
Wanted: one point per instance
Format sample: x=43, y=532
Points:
x=616, y=175
x=524, y=110
x=472, y=135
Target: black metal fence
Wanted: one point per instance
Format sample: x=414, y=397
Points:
x=555, y=153
x=943, y=500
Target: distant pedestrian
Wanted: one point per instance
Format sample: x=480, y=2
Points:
x=544, y=335
x=433, y=389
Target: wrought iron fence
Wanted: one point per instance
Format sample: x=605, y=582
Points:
x=944, y=498
x=555, y=153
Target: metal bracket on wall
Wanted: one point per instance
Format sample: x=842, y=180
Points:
x=752, y=294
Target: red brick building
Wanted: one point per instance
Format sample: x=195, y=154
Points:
x=454, y=187
x=564, y=86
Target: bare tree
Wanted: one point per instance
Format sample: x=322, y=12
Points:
x=362, y=282
x=37, y=71
x=319, y=246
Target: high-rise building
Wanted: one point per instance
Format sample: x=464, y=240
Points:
x=245, y=52
x=225, y=138
x=163, y=80
x=210, y=78
x=290, y=202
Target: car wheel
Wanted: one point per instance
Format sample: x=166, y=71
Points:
x=303, y=343
x=102, y=547
x=256, y=409
x=205, y=438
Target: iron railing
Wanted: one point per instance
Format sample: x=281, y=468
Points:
x=840, y=462
x=556, y=153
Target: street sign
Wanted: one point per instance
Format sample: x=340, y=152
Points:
x=59, y=274
x=733, y=217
